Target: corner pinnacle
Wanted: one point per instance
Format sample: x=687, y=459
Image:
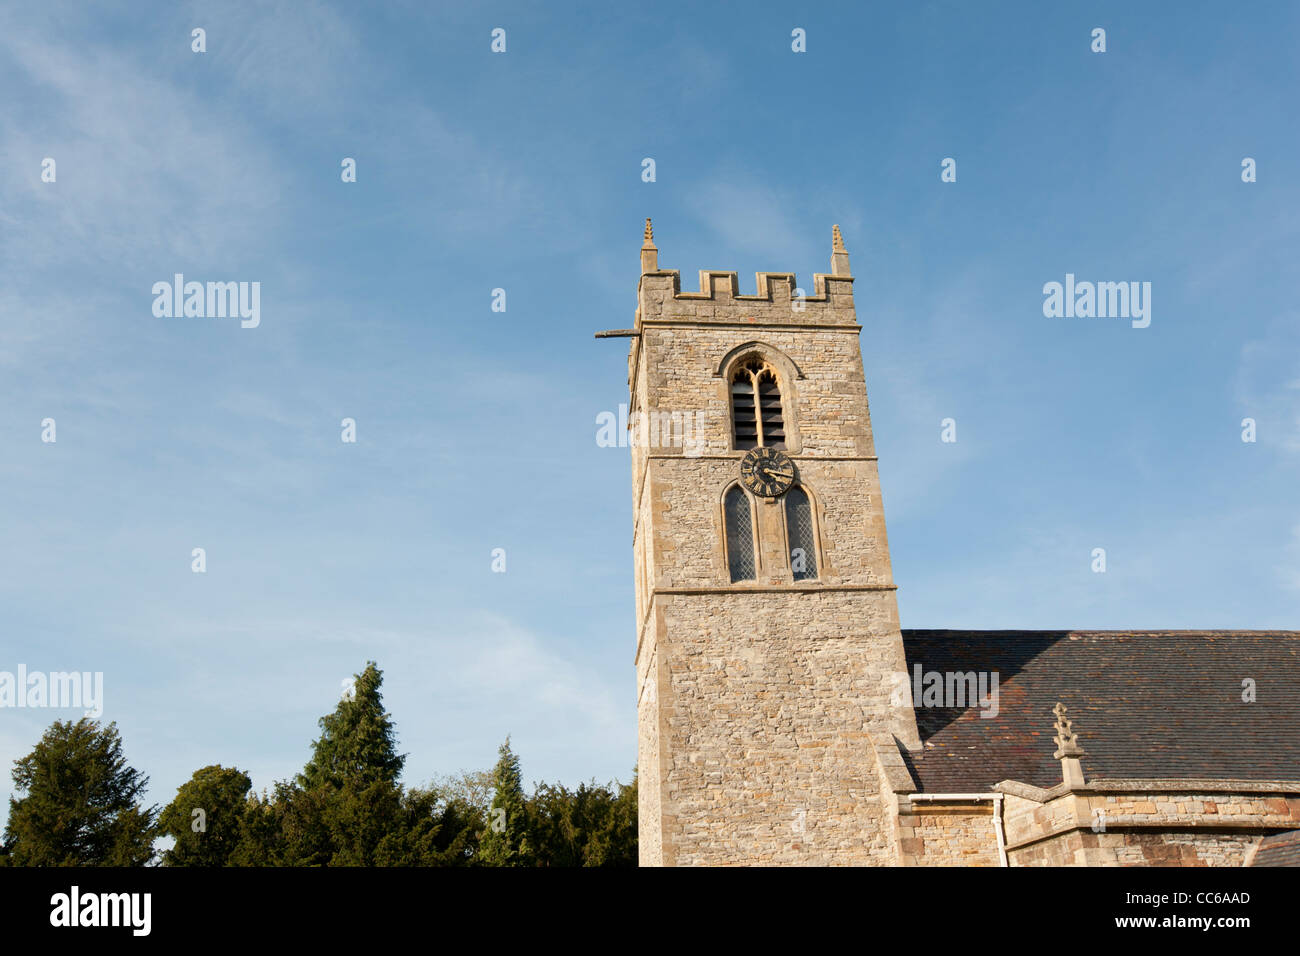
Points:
x=649, y=252
x=839, y=255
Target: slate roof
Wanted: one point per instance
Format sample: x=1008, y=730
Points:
x=1145, y=704
x=1280, y=849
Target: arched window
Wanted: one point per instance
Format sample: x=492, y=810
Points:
x=756, y=405
x=800, y=534
x=740, y=536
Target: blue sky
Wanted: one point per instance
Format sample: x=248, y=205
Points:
x=476, y=429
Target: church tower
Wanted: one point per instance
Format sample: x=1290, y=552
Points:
x=768, y=642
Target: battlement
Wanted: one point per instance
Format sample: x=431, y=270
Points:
x=778, y=296
x=770, y=286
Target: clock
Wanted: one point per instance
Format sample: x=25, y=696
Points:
x=766, y=472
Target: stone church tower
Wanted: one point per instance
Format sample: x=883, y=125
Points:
x=767, y=626
x=772, y=724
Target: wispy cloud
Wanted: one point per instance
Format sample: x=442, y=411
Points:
x=144, y=166
x=1267, y=382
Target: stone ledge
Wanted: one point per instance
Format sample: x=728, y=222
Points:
x=890, y=762
x=1187, y=785
x=1211, y=824
x=1196, y=785
x=739, y=454
x=693, y=322
x=772, y=589
x=1030, y=792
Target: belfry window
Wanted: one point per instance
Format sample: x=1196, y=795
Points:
x=800, y=534
x=740, y=536
x=756, y=406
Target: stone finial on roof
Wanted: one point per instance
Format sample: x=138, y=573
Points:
x=1067, y=741
x=1068, y=750
x=649, y=253
x=839, y=255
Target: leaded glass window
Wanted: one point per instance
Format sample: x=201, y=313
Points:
x=740, y=536
x=800, y=533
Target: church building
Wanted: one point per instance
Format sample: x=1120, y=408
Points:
x=784, y=716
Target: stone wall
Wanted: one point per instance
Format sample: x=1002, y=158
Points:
x=755, y=700
x=1139, y=848
x=649, y=776
x=765, y=702
x=1148, y=825
x=948, y=835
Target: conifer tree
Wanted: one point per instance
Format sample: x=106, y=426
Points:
x=206, y=817
x=357, y=745
x=347, y=808
x=506, y=839
x=81, y=803
x=613, y=842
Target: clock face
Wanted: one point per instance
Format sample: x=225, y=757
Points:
x=766, y=472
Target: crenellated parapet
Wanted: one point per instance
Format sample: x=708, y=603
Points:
x=778, y=297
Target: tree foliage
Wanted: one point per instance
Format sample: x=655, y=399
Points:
x=507, y=839
x=590, y=826
x=347, y=807
x=81, y=803
x=206, y=817
x=358, y=745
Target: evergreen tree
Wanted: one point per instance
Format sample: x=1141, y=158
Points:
x=260, y=842
x=285, y=828
x=613, y=842
x=590, y=826
x=207, y=837
x=348, y=800
x=557, y=840
x=82, y=802
x=430, y=831
x=460, y=822
x=347, y=808
x=506, y=840
x=381, y=825
x=357, y=745
x=461, y=803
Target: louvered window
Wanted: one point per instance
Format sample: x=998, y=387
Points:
x=800, y=533
x=756, y=406
x=740, y=536
x=742, y=411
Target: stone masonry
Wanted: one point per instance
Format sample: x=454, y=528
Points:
x=758, y=701
x=770, y=725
